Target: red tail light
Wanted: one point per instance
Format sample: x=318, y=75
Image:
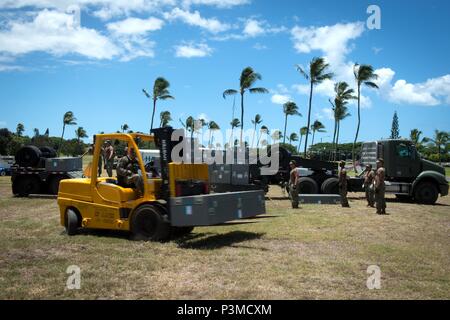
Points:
x=205, y=188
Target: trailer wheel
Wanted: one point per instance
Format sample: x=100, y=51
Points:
x=26, y=185
x=330, y=186
x=48, y=152
x=28, y=156
x=53, y=185
x=148, y=224
x=307, y=186
x=426, y=193
x=71, y=222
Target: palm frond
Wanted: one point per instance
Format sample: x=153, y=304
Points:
x=258, y=90
x=229, y=92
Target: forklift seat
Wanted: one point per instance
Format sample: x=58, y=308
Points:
x=116, y=193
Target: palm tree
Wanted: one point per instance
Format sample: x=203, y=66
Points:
x=276, y=135
x=255, y=122
x=20, y=129
x=165, y=118
x=68, y=120
x=189, y=125
x=289, y=109
x=316, y=126
x=247, y=80
x=234, y=124
x=160, y=92
x=440, y=139
x=293, y=137
x=124, y=127
x=415, y=138
x=80, y=133
x=316, y=74
x=303, y=132
x=263, y=130
x=364, y=74
x=341, y=113
x=36, y=133
x=212, y=126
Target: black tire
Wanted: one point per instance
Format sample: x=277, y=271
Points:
x=71, y=222
x=426, y=193
x=178, y=232
x=150, y=224
x=330, y=186
x=48, y=152
x=307, y=186
x=28, y=156
x=26, y=185
x=53, y=185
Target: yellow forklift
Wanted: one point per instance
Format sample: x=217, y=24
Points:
x=173, y=202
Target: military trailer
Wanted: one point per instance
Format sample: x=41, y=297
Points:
x=39, y=171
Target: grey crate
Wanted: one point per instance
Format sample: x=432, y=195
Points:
x=240, y=174
x=63, y=164
x=213, y=209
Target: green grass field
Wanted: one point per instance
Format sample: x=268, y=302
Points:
x=316, y=252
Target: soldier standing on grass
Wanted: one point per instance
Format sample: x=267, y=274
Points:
x=343, y=185
x=293, y=184
x=380, y=187
x=369, y=176
x=109, y=158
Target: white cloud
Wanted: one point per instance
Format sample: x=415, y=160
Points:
x=259, y=46
x=328, y=112
x=116, y=8
x=135, y=25
x=280, y=98
x=253, y=28
x=216, y=3
x=56, y=33
x=432, y=92
x=332, y=40
x=195, y=19
x=193, y=50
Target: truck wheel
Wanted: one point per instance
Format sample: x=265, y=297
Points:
x=426, y=193
x=178, y=232
x=48, y=152
x=53, y=185
x=71, y=222
x=330, y=186
x=307, y=186
x=28, y=156
x=148, y=224
x=26, y=185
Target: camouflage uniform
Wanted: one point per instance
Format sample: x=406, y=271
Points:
x=127, y=174
x=343, y=187
x=368, y=187
x=293, y=187
x=109, y=160
x=380, y=190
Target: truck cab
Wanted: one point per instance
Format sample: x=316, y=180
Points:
x=407, y=173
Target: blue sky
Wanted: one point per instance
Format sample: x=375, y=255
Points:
x=50, y=64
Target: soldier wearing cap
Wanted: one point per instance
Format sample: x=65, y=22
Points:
x=369, y=176
x=380, y=187
x=343, y=185
x=109, y=158
x=293, y=184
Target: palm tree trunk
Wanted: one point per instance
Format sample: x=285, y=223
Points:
x=337, y=138
x=357, y=129
x=334, y=134
x=299, y=143
x=314, y=133
x=153, y=114
x=242, y=116
x=285, y=126
x=309, y=118
x=61, y=142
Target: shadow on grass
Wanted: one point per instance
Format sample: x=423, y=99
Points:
x=207, y=241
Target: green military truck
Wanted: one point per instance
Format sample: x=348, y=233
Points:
x=408, y=175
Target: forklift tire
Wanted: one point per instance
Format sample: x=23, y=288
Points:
x=149, y=224
x=71, y=222
x=307, y=186
x=426, y=193
x=26, y=185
